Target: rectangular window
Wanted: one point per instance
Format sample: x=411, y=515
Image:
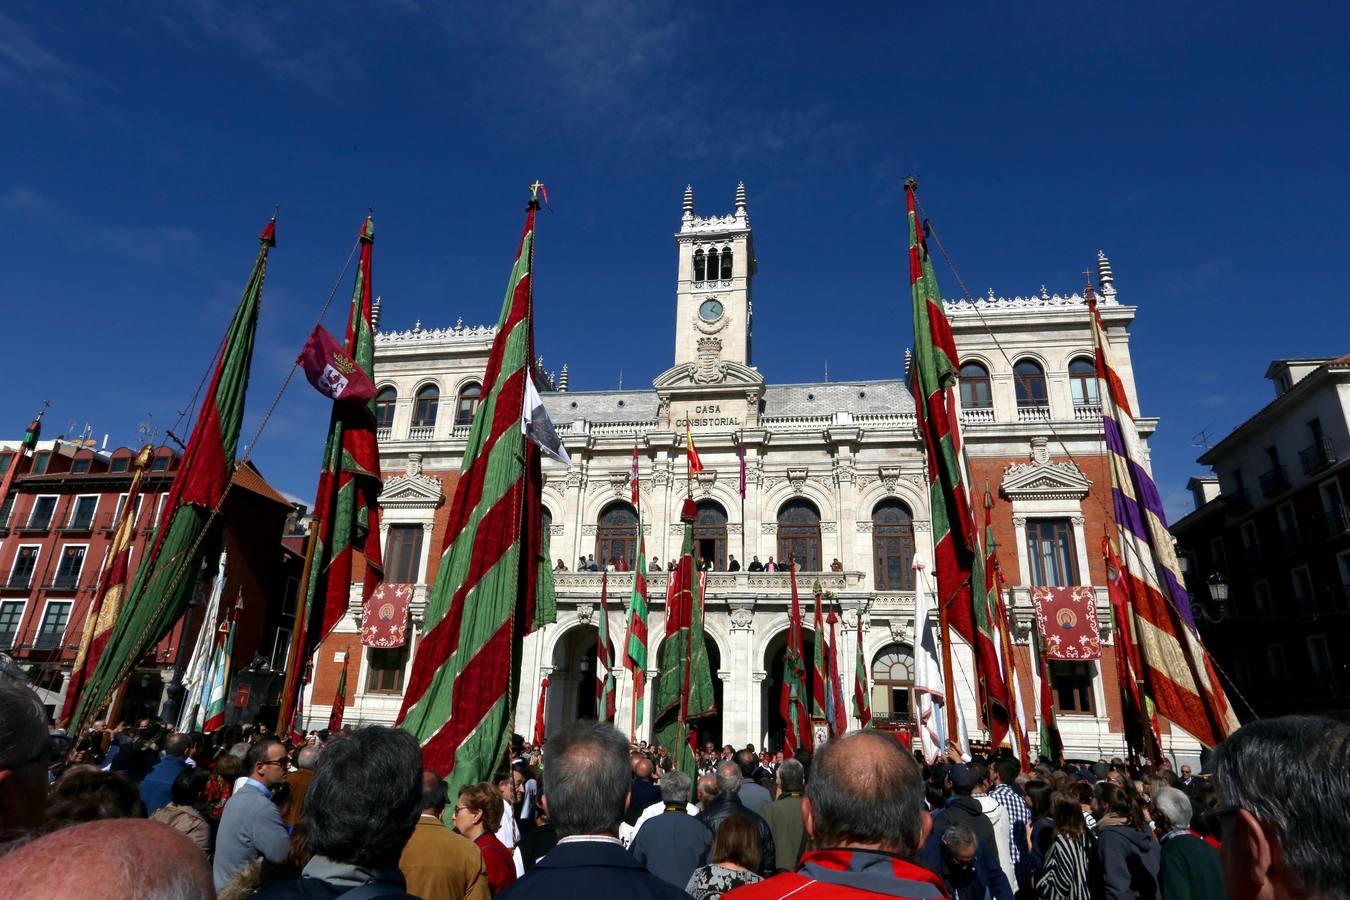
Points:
x=6, y=510
x=5, y=460
x=40, y=518
x=80, y=466
x=82, y=515
x=54, y=620
x=68, y=570
x=1218, y=555
x=25, y=563
x=122, y=504
x=1333, y=508
x=1071, y=684
x=1275, y=663
x=1261, y=597
x=11, y=615
x=161, y=464
x=1250, y=544
x=385, y=670
x=403, y=554
x=1319, y=659
x=281, y=646
x=1303, y=589
x=1050, y=548
x=1284, y=515
x=289, y=598
x=40, y=463
x=120, y=464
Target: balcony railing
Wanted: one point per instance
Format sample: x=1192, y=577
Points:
x=1273, y=481
x=64, y=583
x=19, y=581
x=1033, y=414
x=50, y=640
x=1317, y=457
x=383, y=434
x=79, y=526
x=1086, y=412
x=978, y=416
x=421, y=432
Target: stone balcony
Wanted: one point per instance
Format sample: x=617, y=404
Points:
x=774, y=585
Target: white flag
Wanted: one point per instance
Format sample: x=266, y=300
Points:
x=538, y=427
x=197, y=674
x=930, y=690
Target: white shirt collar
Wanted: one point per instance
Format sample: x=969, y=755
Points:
x=590, y=838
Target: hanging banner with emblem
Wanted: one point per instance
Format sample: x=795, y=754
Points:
x=385, y=624
x=1067, y=619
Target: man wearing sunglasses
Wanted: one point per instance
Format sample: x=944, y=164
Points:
x=251, y=825
x=25, y=752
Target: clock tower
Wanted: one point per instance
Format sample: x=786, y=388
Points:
x=712, y=293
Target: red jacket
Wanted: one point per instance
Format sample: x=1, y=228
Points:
x=850, y=874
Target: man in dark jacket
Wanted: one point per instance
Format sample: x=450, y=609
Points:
x=963, y=809
x=586, y=790
x=673, y=844
x=643, y=792
x=157, y=788
x=729, y=804
x=1190, y=868
x=965, y=867
x=754, y=795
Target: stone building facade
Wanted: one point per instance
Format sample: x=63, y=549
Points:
x=833, y=471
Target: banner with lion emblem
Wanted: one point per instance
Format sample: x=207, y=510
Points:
x=1067, y=619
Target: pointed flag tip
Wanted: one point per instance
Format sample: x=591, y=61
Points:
x=269, y=232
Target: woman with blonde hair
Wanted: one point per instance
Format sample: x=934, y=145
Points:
x=734, y=861
x=477, y=816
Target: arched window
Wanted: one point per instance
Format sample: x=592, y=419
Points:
x=799, y=534
x=546, y=517
x=893, y=685
x=424, y=406
x=385, y=401
x=698, y=265
x=1083, y=382
x=616, y=535
x=710, y=534
x=893, y=546
x=1029, y=380
x=726, y=263
x=469, y=396
x=975, y=391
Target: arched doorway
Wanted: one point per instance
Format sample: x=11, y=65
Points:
x=710, y=534
x=774, y=723
x=709, y=727
x=616, y=535
x=893, y=687
x=893, y=546
x=572, y=684
x=799, y=534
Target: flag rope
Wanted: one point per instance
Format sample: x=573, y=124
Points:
x=182, y=565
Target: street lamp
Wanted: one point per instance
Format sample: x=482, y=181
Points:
x=1218, y=593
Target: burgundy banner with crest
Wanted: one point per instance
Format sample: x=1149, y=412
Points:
x=1067, y=619
x=386, y=621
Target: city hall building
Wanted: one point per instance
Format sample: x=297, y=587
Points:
x=834, y=471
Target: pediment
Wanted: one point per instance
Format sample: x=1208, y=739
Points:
x=412, y=491
x=1045, y=481
x=725, y=375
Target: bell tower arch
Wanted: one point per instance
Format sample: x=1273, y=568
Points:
x=712, y=293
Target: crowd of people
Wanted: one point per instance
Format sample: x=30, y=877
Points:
x=142, y=811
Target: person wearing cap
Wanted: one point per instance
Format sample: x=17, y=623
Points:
x=963, y=809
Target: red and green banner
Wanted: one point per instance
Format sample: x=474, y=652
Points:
x=20, y=462
x=935, y=366
x=494, y=584
x=168, y=575
x=339, y=698
x=1141, y=721
x=635, y=645
x=684, y=692
x=605, y=692
x=797, y=735
x=862, y=695
x=820, y=676
x=989, y=665
x=112, y=584
x=346, y=504
x=834, y=700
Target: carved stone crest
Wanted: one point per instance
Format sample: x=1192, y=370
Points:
x=706, y=479
x=743, y=617
x=797, y=478
x=585, y=613
x=890, y=477
x=709, y=369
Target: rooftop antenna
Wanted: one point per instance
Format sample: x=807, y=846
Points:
x=1201, y=438
x=621, y=379
x=827, y=371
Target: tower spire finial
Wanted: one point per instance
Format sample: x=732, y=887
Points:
x=1105, y=280
x=688, y=201
x=740, y=198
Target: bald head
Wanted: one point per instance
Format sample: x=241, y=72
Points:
x=642, y=767
x=124, y=857
x=866, y=791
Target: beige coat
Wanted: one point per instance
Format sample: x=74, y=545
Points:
x=188, y=821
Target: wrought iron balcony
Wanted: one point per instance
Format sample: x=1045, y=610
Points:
x=1317, y=457
x=1273, y=481
x=19, y=581
x=64, y=583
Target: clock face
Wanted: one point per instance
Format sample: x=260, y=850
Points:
x=710, y=310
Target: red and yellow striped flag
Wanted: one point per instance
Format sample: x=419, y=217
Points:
x=695, y=464
x=493, y=585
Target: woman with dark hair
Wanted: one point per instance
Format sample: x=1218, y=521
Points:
x=477, y=816
x=1041, y=828
x=183, y=814
x=1063, y=875
x=1127, y=858
x=91, y=795
x=734, y=861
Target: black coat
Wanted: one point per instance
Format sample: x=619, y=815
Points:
x=724, y=808
x=590, y=868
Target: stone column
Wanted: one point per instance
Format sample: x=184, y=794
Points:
x=738, y=723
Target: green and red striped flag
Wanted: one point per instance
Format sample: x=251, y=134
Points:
x=684, y=692
x=955, y=549
x=834, y=700
x=346, y=505
x=862, y=695
x=339, y=698
x=19, y=464
x=493, y=585
x=605, y=694
x=989, y=668
x=635, y=647
x=167, y=577
x=820, y=675
x=792, y=701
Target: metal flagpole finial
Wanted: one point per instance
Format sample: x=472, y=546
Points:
x=538, y=190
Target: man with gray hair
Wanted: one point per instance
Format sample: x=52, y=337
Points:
x=1190, y=867
x=865, y=816
x=673, y=844
x=587, y=792
x=784, y=815
x=24, y=749
x=728, y=804
x=962, y=864
x=1284, y=809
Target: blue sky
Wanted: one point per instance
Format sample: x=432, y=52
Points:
x=1203, y=147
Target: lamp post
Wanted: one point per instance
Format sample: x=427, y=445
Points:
x=1218, y=593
